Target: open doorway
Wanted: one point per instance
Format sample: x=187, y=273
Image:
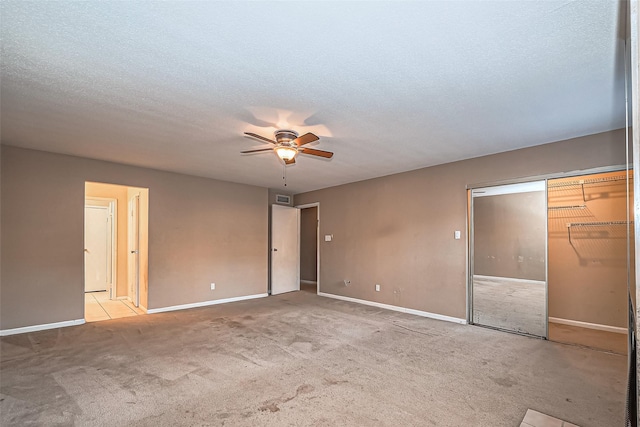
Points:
x=590, y=259
x=116, y=251
x=309, y=239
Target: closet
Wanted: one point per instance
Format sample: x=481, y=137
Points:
x=590, y=259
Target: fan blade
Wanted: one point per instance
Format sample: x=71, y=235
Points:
x=256, y=151
x=313, y=152
x=290, y=162
x=305, y=139
x=253, y=135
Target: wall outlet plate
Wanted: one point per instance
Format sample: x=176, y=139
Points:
x=377, y=287
x=328, y=237
x=213, y=286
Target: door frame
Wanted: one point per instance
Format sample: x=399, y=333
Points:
x=133, y=290
x=314, y=205
x=112, y=205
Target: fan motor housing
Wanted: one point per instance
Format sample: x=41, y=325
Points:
x=284, y=136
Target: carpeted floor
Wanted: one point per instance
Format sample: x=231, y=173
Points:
x=304, y=360
x=600, y=340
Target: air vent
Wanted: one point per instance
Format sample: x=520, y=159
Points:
x=282, y=199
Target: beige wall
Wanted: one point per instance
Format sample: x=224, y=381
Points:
x=510, y=235
x=118, y=192
x=398, y=230
x=588, y=276
x=308, y=244
x=200, y=231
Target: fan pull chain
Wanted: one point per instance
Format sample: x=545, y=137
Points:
x=284, y=174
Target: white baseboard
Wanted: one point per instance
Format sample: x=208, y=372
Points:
x=510, y=279
x=597, y=326
x=397, y=308
x=309, y=282
x=35, y=328
x=204, y=303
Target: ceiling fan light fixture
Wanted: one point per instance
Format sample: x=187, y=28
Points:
x=288, y=144
x=286, y=152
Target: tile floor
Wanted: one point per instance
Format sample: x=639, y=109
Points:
x=98, y=306
x=537, y=419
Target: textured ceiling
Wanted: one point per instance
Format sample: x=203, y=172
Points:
x=388, y=86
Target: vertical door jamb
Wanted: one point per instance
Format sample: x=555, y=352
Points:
x=134, y=249
x=306, y=206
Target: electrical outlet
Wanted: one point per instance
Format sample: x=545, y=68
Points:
x=347, y=282
x=213, y=286
x=377, y=287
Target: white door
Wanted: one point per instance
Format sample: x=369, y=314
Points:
x=285, y=249
x=97, y=238
x=134, y=250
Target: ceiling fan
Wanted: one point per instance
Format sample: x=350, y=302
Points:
x=288, y=145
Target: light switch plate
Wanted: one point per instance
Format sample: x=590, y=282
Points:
x=328, y=237
x=456, y=234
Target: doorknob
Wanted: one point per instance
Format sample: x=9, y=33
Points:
x=275, y=249
x=86, y=250
x=134, y=252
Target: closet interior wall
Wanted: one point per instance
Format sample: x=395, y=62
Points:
x=587, y=267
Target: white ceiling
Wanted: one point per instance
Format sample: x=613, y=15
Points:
x=388, y=86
